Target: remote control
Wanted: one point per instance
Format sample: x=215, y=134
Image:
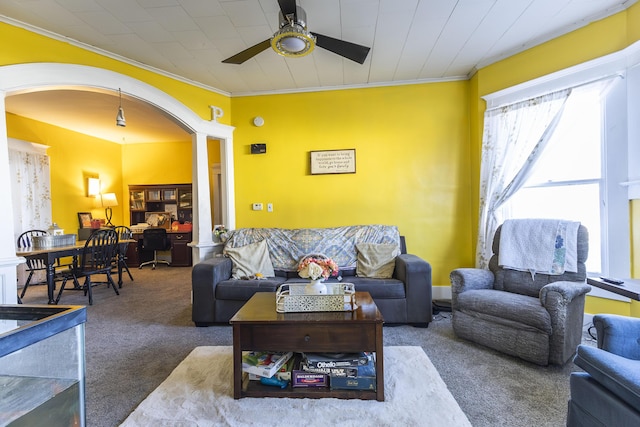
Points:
x=612, y=280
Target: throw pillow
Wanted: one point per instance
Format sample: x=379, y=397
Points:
x=250, y=259
x=376, y=260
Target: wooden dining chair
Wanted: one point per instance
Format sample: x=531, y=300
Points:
x=96, y=258
x=24, y=242
x=120, y=261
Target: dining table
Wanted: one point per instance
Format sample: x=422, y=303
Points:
x=50, y=255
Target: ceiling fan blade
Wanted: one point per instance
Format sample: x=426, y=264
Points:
x=249, y=53
x=288, y=7
x=352, y=51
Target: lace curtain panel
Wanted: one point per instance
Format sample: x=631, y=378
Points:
x=514, y=137
x=30, y=192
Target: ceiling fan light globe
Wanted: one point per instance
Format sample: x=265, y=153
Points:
x=293, y=41
x=293, y=44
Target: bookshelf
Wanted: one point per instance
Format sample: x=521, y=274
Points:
x=177, y=199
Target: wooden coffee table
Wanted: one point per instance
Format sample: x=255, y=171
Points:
x=257, y=326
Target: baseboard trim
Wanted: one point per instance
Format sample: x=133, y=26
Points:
x=440, y=292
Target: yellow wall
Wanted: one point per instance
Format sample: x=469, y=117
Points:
x=135, y=164
x=28, y=47
x=417, y=146
x=72, y=157
x=595, y=40
x=159, y=163
x=412, y=162
x=634, y=214
x=595, y=305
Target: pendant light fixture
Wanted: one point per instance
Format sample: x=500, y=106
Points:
x=120, y=121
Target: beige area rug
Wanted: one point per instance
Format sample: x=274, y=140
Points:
x=199, y=392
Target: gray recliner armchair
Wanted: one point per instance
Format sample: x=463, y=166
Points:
x=538, y=319
x=608, y=392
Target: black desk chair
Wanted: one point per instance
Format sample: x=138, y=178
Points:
x=96, y=258
x=155, y=239
x=120, y=261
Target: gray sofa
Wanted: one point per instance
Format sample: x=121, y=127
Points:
x=405, y=298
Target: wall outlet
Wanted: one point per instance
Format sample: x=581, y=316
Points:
x=257, y=206
x=269, y=207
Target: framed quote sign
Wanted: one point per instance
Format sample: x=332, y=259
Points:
x=333, y=161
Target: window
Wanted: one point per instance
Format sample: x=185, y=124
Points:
x=566, y=180
x=569, y=181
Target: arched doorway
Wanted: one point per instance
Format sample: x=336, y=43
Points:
x=15, y=79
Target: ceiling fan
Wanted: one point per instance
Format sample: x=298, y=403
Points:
x=294, y=40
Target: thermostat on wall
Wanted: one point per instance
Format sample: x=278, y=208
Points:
x=258, y=148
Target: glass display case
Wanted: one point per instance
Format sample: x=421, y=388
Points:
x=137, y=200
x=42, y=365
x=185, y=197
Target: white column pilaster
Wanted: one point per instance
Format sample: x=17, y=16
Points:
x=202, y=242
x=8, y=259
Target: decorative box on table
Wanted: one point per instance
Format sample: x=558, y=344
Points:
x=42, y=365
x=50, y=241
x=291, y=298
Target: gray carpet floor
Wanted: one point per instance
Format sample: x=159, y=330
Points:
x=135, y=340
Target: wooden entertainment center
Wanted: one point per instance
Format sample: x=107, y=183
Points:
x=177, y=200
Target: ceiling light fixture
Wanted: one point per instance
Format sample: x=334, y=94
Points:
x=120, y=121
x=293, y=39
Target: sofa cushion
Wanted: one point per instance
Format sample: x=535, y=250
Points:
x=379, y=288
x=376, y=260
x=250, y=259
x=522, y=310
x=242, y=290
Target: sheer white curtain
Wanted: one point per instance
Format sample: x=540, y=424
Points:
x=30, y=186
x=30, y=192
x=513, y=139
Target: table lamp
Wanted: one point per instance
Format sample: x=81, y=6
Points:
x=108, y=200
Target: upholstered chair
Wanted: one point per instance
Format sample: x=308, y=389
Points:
x=608, y=392
x=536, y=317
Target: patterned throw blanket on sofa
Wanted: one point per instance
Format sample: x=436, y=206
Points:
x=288, y=246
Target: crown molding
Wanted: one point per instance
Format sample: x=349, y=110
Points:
x=88, y=47
x=609, y=65
x=349, y=87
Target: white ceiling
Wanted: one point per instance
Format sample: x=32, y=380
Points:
x=410, y=40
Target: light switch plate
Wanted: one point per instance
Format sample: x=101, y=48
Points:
x=257, y=206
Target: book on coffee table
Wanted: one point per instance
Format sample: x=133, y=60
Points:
x=264, y=363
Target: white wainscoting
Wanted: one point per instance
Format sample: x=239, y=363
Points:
x=8, y=278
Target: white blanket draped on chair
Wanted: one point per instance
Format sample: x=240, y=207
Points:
x=539, y=246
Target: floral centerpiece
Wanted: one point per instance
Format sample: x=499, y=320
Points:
x=220, y=233
x=317, y=267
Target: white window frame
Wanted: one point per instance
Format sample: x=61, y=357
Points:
x=620, y=159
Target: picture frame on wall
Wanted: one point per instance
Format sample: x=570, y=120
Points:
x=84, y=219
x=333, y=161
